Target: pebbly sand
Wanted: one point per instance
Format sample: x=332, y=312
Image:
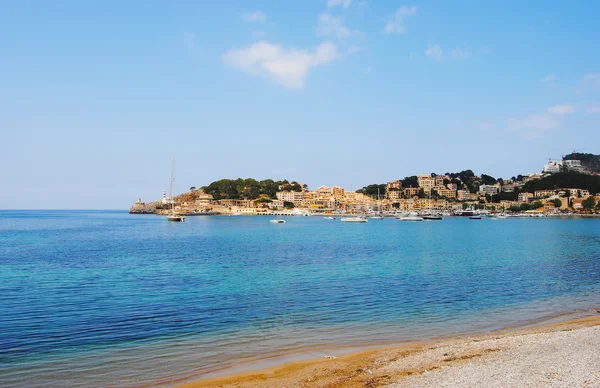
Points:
x=556, y=355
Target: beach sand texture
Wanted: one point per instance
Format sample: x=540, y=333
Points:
x=558, y=355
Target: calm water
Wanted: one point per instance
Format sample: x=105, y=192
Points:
x=111, y=299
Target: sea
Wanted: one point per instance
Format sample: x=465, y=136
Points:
x=104, y=298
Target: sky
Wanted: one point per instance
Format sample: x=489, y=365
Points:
x=98, y=98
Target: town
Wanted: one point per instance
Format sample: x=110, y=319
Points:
x=563, y=187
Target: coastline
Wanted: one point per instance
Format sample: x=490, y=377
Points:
x=381, y=365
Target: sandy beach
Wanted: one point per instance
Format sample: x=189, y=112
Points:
x=558, y=355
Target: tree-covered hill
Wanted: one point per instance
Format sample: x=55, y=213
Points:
x=249, y=188
x=564, y=180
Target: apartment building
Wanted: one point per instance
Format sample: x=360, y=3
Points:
x=463, y=195
x=426, y=181
x=295, y=197
x=488, y=189
x=543, y=193
x=525, y=197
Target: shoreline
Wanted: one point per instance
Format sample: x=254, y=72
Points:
x=341, y=366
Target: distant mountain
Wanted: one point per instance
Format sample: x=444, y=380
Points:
x=590, y=161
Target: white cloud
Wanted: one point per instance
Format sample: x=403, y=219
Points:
x=548, y=78
x=561, y=109
x=287, y=66
x=434, y=51
x=537, y=125
x=343, y=3
x=254, y=17
x=334, y=26
x=593, y=109
x=396, y=22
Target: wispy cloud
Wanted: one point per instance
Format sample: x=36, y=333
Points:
x=593, y=109
x=334, y=26
x=537, y=125
x=561, y=109
x=396, y=22
x=589, y=81
x=549, y=78
x=254, y=17
x=343, y=3
x=434, y=51
x=286, y=66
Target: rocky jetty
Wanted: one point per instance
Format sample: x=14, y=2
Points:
x=146, y=208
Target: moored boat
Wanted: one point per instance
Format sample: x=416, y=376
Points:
x=277, y=221
x=357, y=219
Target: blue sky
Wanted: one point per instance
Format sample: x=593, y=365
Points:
x=97, y=98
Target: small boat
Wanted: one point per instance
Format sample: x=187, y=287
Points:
x=432, y=217
x=475, y=217
x=329, y=218
x=503, y=216
x=176, y=218
x=354, y=219
x=411, y=217
x=277, y=221
x=377, y=217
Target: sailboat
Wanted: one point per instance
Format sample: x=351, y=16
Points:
x=431, y=215
x=174, y=216
x=377, y=216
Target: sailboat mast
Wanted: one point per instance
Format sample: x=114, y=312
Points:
x=171, y=189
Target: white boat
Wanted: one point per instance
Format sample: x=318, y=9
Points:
x=329, y=218
x=432, y=216
x=354, y=219
x=277, y=221
x=411, y=217
x=174, y=216
x=376, y=217
x=475, y=217
x=503, y=216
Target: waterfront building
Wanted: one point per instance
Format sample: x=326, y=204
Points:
x=295, y=197
x=444, y=192
x=543, y=193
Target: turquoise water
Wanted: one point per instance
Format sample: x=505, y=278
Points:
x=99, y=298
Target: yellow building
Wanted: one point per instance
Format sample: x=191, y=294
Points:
x=426, y=181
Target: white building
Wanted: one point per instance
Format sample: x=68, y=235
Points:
x=552, y=167
x=290, y=196
x=488, y=189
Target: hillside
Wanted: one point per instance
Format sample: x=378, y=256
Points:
x=590, y=161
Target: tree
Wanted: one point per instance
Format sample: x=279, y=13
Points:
x=537, y=205
x=557, y=203
x=192, y=188
x=288, y=205
x=514, y=208
x=589, y=203
x=487, y=179
x=410, y=181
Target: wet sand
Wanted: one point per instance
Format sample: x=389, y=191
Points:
x=556, y=354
